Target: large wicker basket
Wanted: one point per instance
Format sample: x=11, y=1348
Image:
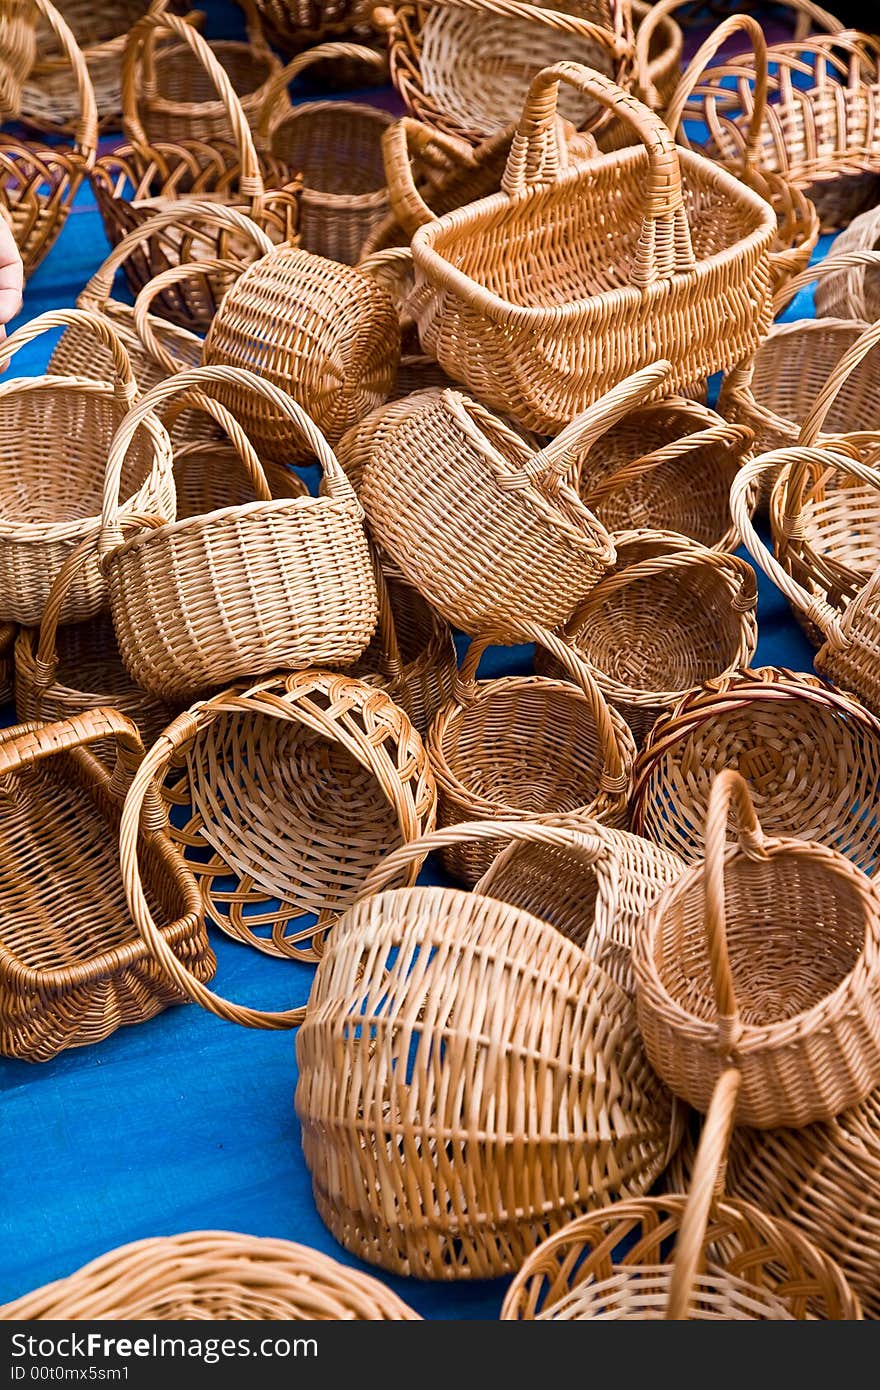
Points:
x=211, y=1276
x=468, y=1079
x=703, y=1257
x=72, y=967
x=546, y=295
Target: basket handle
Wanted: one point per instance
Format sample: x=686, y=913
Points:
x=403, y=142
x=721, y=434
x=279, y=83
x=678, y=556
x=707, y=1188
x=386, y=628
x=143, y=319
x=698, y=65
x=664, y=247
x=232, y=428
x=200, y=379
x=140, y=40
x=85, y=137
x=98, y=289
x=124, y=385
x=829, y=265
x=619, y=43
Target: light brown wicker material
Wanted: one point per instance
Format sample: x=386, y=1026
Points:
x=393, y=267
x=135, y=181
x=546, y=295
x=668, y=465
x=854, y=293
x=595, y=889
x=72, y=967
x=765, y=957
x=296, y=788
x=462, y=66
x=7, y=661
x=38, y=185
x=294, y=24
x=208, y=1276
x=18, y=48
x=468, y=1078
x=729, y=1261
x=670, y=616
x=324, y=332
x=272, y=584
x=55, y=435
x=527, y=746
x=810, y=754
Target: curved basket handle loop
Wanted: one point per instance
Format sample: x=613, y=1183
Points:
x=723, y=435
x=829, y=265
x=664, y=247
x=707, y=1188
x=402, y=143
x=124, y=384
x=279, y=83
x=231, y=427
x=85, y=138
x=144, y=320
x=698, y=65
x=676, y=556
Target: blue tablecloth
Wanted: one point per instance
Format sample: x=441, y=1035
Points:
x=186, y=1122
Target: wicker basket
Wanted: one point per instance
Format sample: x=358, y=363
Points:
x=72, y=967
x=468, y=1079
x=272, y=584
x=208, y=1276
x=335, y=775
x=729, y=1260
x=463, y=66
x=37, y=184
x=668, y=465
x=546, y=295
x=18, y=48
x=322, y=331
x=810, y=754
x=55, y=435
x=765, y=957
x=854, y=293
x=595, y=889
x=294, y=24
x=528, y=746
x=670, y=616
x=132, y=183
x=357, y=446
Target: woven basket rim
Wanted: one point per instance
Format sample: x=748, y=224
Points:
x=244, y=511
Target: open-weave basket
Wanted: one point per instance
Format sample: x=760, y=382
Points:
x=38, y=184
x=210, y=1276
x=809, y=753
x=483, y=525
x=55, y=435
x=595, y=889
x=527, y=746
x=468, y=1078
x=703, y=1257
x=547, y=294
x=73, y=968
x=670, y=616
x=271, y=584
x=132, y=183
x=765, y=957
x=463, y=66
x=668, y=465
x=294, y=24
x=293, y=790
x=18, y=48
x=854, y=293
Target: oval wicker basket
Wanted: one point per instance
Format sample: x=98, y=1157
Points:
x=527, y=746
x=18, y=49
x=45, y=511
x=703, y=1257
x=207, y=1276
x=434, y=1014
x=595, y=889
x=342, y=775
x=72, y=966
x=810, y=754
x=670, y=616
x=854, y=293
x=357, y=446
x=765, y=957
x=38, y=184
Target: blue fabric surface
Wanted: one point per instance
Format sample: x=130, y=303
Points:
x=186, y=1122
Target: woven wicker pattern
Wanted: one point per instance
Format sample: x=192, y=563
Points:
x=212, y=1276
x=670, y=616
x=528, y=746
x=295, y=787
x=810, y=755
x=765, y=957
x=72, y=967
x=293, y=24
x=854, y=293
x=468, y=1079
x=18, y=47
x=704, y=1257
x=543, y=297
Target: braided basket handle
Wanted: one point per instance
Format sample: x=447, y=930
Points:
x=143, y=319
x=722, y=434
x=404, y=142
x=140, y=40
x=698, y=65
x=707, y=1188
x=124, y=384
x=85, y=136
x=98, y=289
x=321, y=52
x=664, y=247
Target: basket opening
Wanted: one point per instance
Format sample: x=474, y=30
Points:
x=181, y=77
x=336, y=150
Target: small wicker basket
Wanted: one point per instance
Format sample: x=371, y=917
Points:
x=468, y=1078
x=72, y=967
x=729, y=1261
x=294, y=24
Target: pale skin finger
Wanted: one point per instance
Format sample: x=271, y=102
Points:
x=11, y=276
